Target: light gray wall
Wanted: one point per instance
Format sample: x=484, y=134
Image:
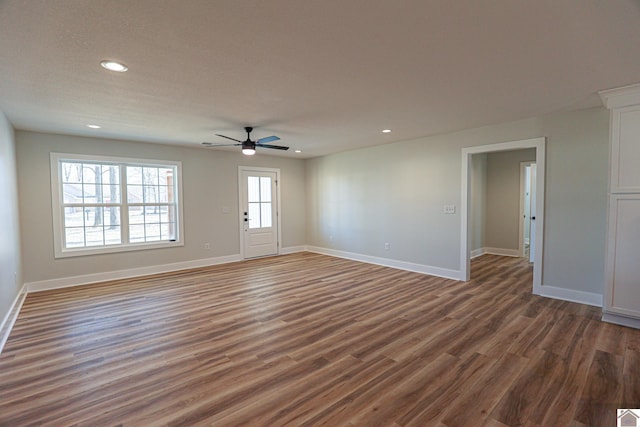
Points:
x=210, y=182
x=10, y=263
x=395, y=193
x=502, y=220
x=478, y=208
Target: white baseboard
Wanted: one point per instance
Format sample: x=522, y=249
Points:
x=386, y=262
x=476, y=253
x=494, y=251
x=64, y=282
x=11, y=316
x=501, y=252
x=621, y=320
x=293, y=250
x=572, y=295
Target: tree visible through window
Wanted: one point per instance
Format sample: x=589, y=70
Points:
x=110, y=203
x=91, y=203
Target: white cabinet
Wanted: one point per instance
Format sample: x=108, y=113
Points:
x=622, y=268
x=625, y=150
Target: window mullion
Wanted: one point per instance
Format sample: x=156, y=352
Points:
x=124, y=210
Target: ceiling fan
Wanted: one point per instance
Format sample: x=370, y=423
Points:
x=249, y=146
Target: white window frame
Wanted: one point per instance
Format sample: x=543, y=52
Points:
x=57, y=203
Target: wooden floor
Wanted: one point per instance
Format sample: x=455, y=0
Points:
x=307, y=339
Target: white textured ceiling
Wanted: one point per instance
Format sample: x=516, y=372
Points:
x=325, y=76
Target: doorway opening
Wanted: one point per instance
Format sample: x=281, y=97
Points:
x=537, y=191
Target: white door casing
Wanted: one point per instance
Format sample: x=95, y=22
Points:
x=539, y=144
x=259, y=211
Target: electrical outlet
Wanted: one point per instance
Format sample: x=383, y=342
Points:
x=207, y=245
x=449, y=209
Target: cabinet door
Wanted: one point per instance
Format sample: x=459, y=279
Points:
x=623, y=256
x=625, y=150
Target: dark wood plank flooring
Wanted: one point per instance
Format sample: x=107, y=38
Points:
x=308, y=340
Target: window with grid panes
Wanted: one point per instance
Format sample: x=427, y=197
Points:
x=105, y=204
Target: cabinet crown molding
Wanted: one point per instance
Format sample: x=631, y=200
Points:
x=621, y=96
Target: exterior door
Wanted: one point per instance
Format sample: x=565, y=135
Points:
x=259, y=212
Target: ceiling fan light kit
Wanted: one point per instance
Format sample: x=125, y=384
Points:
x=249, y=146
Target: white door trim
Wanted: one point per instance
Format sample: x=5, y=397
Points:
x=537, y=143
x=241, y=170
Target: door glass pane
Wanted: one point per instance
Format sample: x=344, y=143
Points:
x=254, y=215
x=253, y=189
x=265, y=189
x=265, y=214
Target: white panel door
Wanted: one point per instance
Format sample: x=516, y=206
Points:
x=259, y=214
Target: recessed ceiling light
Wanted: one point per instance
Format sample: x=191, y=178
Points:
x=298, y=151
x=386, y=130
x=114, y=66
x=94, y=126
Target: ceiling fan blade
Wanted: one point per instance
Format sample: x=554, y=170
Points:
x=267, y=139
x=213, y=144
x=233, y=139
x=277, y=147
